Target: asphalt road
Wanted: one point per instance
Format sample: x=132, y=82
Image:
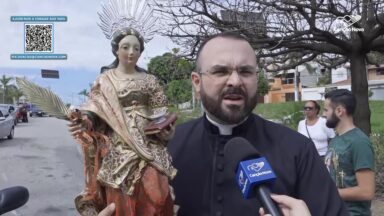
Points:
x=44, y=158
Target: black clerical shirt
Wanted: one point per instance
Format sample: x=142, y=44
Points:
x=203, y=186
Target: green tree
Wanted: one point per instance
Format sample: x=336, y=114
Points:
x=173, y=73
x=179, y=91
x=4, y=80
x=330, y=32
x=325, y=79
x=262, y=85
x=13, y=93
x=169, y=66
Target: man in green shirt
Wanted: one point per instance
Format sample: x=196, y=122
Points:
x=350, y=156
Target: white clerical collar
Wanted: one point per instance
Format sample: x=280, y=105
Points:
x=224, y=129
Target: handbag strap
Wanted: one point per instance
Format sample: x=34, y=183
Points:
x=307, y=130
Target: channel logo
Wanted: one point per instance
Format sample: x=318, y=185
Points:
x=350, y=20
x=345, y=23
x=254, y=172
x=256, y=167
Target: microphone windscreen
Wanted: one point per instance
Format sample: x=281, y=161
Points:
x=236, y=150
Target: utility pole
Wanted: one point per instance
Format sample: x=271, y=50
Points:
x=296, y=84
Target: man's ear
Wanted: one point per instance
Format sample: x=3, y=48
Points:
x=196, y=82
x=340, y=111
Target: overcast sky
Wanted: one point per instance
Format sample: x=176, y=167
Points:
x=80, y=38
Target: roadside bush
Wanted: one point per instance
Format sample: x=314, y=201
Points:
x=292, y=118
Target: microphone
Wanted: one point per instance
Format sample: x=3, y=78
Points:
x=12, y=198
x=253, y=173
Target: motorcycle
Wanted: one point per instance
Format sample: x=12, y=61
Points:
x=13, y=198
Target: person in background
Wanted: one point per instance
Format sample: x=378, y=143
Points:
x=313, y=127
x=350, y=155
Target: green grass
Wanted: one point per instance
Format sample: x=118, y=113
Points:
x=289, y=113
x=377, y=116
x=279, y=110
x=183, y=116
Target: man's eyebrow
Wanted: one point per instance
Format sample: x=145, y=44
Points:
x=246, y=67
x=239, y=67
x=219, y=67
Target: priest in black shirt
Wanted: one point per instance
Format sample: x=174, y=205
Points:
x=226, y=81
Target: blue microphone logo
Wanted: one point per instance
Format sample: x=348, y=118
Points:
x=253, y=172
x=256, y=167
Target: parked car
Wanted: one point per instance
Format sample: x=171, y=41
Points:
x=7, y=125
x=10, y=109
x=35, y=111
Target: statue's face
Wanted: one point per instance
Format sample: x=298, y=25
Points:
x=128, y=52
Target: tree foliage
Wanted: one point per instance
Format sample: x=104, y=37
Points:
x=173, y=72
x=13, y=93
x=4, y=80
x=325, y=79
x=327, y=31
x=262, y=85
x=169, y=66
x=179, y=91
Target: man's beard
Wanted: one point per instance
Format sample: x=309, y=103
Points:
x=236, y=114
x=333, y=121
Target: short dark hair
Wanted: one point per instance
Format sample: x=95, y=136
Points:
x=342, y=97
x=231, y=35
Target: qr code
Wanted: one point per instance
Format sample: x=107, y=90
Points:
x=38, y=37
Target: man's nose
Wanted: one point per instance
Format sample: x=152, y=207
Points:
x=234, y=79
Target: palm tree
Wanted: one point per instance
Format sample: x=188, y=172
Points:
x=14, y=93
x=4, y=82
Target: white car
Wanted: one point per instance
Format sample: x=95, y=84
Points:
x=7, y=126
x=10, y=109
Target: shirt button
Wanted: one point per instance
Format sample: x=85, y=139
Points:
x=219, y=199
x=220, y=167
x=219, y=213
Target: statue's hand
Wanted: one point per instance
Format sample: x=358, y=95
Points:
x=79, y=123
x=167, y=133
